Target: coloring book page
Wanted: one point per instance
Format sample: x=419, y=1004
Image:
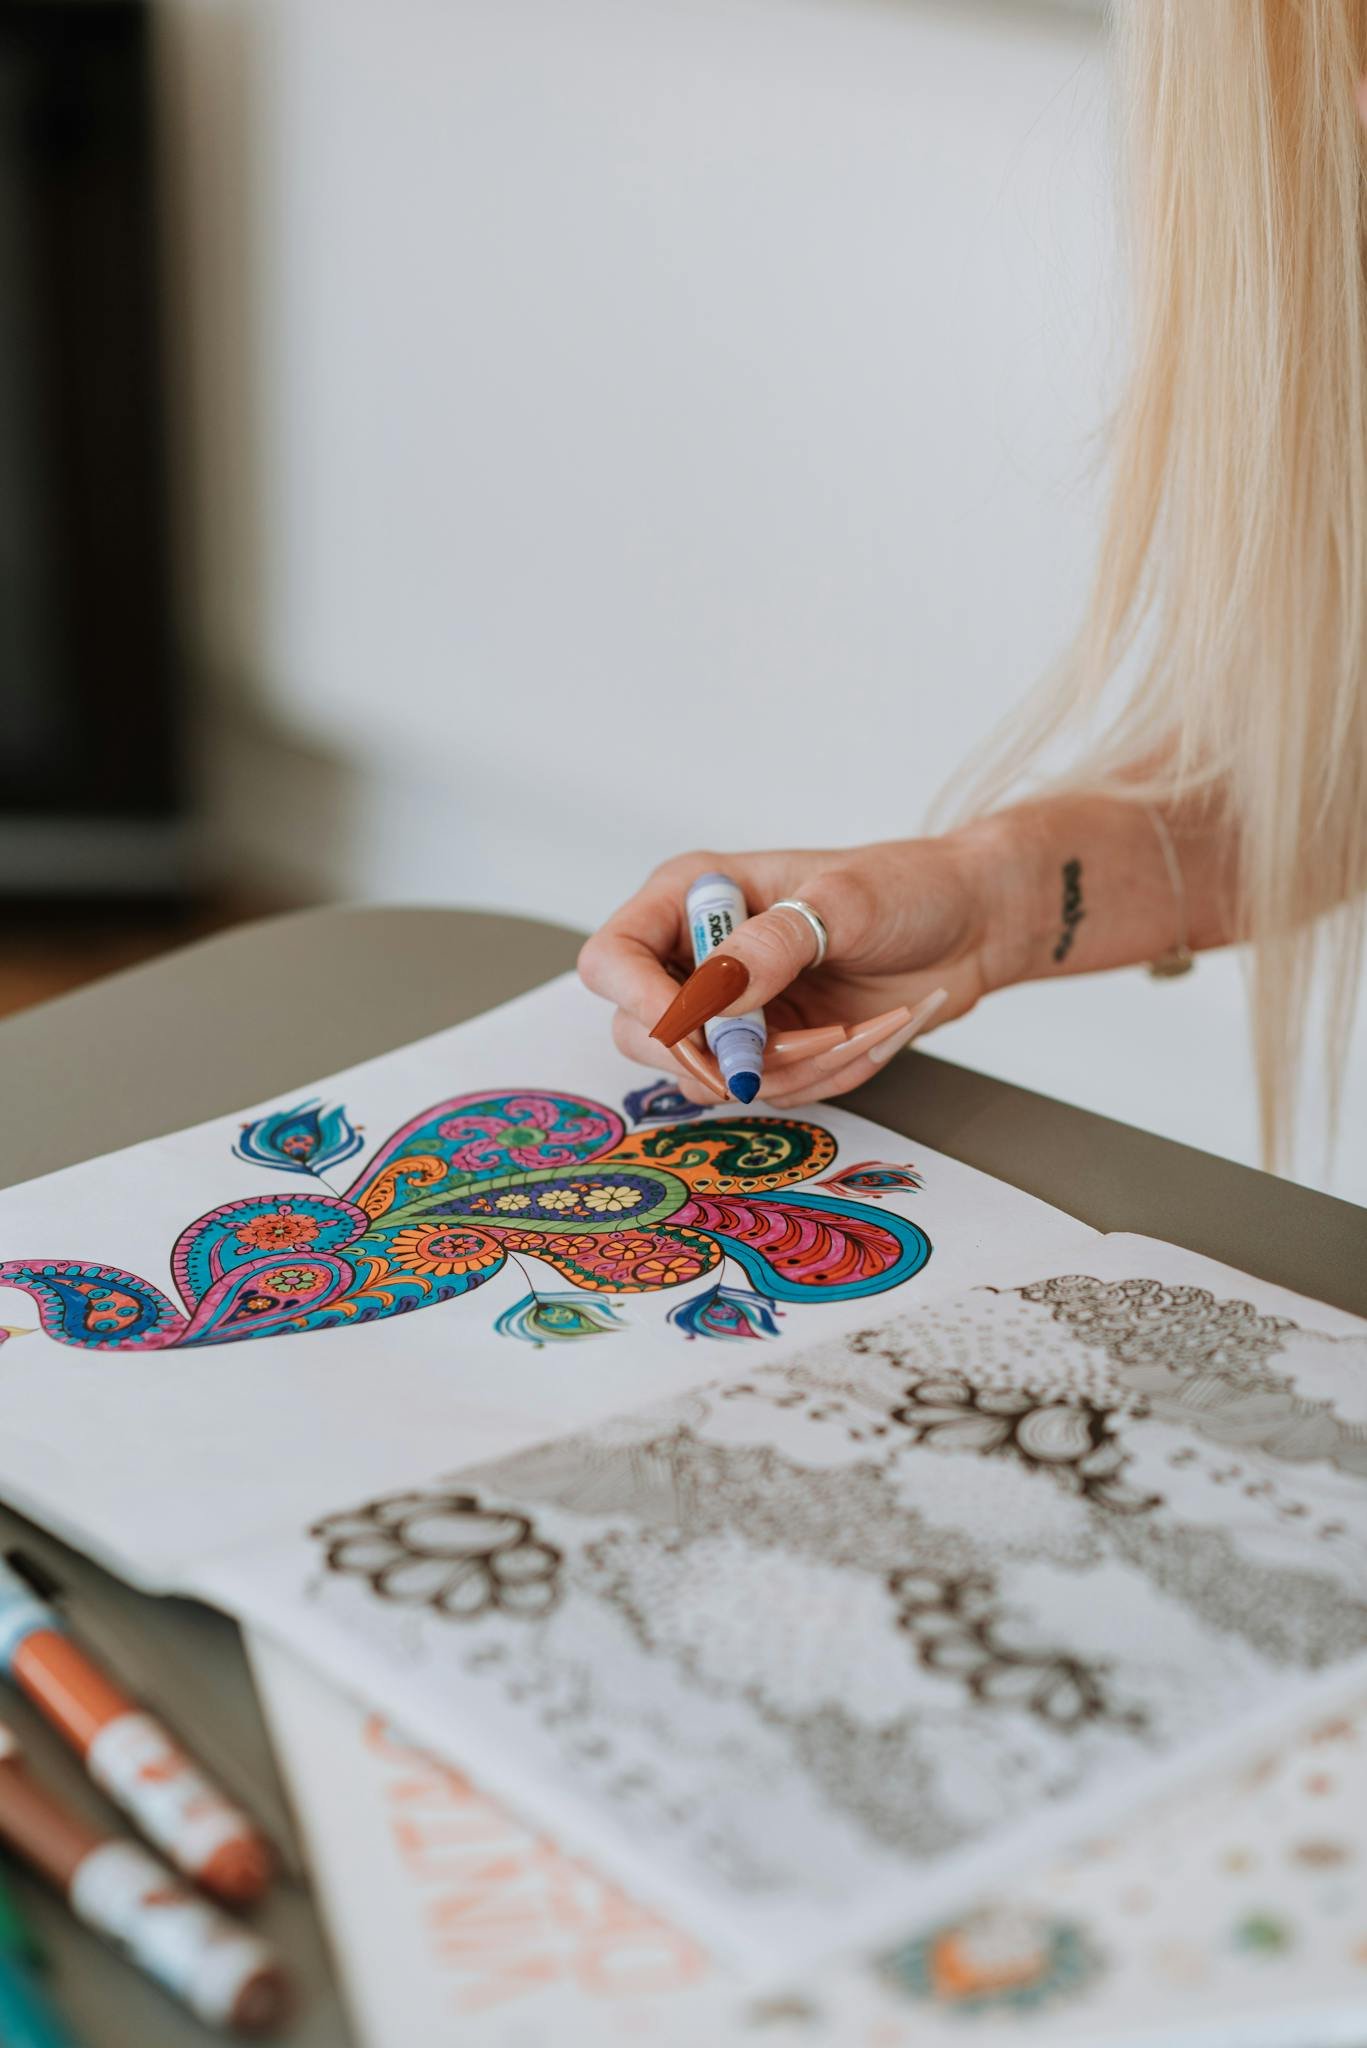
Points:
x=1232, y=1917
x=496, y=1234
x=809, y=1656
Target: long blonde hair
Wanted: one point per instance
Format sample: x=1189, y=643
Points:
x=1230, y=598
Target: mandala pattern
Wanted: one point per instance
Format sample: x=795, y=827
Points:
x=446, y=1551
x=1206, y=1364
x=995, y=1960
x=959, y=1629
x=459, y=1188
x=1074, y=1441
x=1152, y=1324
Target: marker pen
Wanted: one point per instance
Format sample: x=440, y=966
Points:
x=129, y=1754
x=26, y=2018
x=714, y=907
x=220, y=1970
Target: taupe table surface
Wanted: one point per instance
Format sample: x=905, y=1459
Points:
x=271, y=1006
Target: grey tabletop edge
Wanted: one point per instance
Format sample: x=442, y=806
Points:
x=348, y=982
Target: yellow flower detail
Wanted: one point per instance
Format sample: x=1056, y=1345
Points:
x=612, y=1201
x=560, y=1198
x=512, y=1202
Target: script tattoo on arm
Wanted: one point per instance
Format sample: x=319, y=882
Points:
x=1073, y=912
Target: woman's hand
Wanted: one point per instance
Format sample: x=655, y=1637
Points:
x=910, y=929
x=919, y=929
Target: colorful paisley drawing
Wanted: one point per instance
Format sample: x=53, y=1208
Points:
x=729, y=1313
x=304, y=1139
x=459, y=1188
x=875, y=1177
x=543, y=1319
x=659, y=1102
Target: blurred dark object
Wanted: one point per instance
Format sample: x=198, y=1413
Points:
x=52, y=945
x=89, y=728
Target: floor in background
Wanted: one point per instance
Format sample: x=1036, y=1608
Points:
x=48, y=950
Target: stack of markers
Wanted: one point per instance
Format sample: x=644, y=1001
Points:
x=223, y=1972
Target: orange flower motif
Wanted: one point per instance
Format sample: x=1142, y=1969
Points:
x=668, y=1271
x=283, y=1232
x=625, y=1245
x=442, y=1252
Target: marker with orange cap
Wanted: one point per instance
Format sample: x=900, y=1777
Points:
x=133, y=1759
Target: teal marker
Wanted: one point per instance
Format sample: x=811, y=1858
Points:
x=16, y=1936
x=27, y=2020
x=714, y=907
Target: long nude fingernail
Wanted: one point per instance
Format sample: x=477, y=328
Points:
x=856, y=1038
x=688, y=1056
x=878, y=1055
x=720, y=981
x=804, y=1044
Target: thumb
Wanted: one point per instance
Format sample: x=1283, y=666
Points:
x=778, y=944
x=767, y=952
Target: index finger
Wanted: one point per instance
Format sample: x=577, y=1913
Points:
x=624, y=959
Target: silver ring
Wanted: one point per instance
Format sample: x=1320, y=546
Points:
x=813, y=917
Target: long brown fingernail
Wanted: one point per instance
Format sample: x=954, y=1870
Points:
x=719, y=982
x=688, y=1056
x=855, y=1041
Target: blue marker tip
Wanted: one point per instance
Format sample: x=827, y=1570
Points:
x=738, y=1043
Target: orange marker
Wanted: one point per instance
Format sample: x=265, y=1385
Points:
x=128, y=1753
x=220, y=1970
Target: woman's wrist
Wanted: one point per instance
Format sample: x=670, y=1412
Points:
x=1082, y=882
x=1000, y=860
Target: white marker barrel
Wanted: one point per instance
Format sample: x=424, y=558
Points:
x=714, y=908
x=135, y=1760
x=223, y=1972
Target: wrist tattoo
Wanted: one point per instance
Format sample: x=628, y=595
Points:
x=1073, y=912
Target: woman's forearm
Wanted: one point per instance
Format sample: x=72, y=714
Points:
x=916, y=930
x=1077, y=883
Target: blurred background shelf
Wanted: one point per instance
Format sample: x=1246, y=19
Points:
x=92, y=796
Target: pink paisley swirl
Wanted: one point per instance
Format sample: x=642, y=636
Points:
x=531, y=1109
x=487, y=1144
x=481, y=1157
x=599, y=1130
x=457, y=1127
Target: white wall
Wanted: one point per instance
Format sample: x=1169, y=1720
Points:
x=620, y=424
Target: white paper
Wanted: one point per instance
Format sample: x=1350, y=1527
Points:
x=154, y=1459
x=1234, y=1918
x=921, y=1585
x=809, y=1657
